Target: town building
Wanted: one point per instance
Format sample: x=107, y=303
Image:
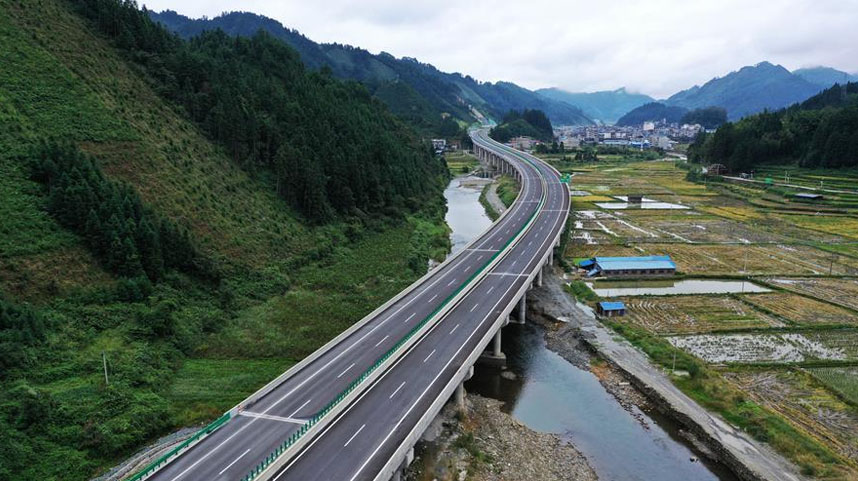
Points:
x=649, y=266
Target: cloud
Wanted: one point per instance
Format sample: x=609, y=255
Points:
x=656, y=47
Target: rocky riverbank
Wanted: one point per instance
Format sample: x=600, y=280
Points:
x=486, y=444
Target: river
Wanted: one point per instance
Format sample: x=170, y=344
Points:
x=549, y=394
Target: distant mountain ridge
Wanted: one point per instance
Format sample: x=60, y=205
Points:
x=825, y=76
x=417, y=91
x=606, y=106
x=747, y=91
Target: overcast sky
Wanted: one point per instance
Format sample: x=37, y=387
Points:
x=656, y=47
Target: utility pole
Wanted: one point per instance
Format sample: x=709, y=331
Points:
x=104, y=362
x=673, y=370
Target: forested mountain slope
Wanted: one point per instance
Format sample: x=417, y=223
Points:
x=416, y=91
x=146, y=223
x=822, y=131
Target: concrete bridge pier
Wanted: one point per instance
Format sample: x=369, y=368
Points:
x=539, y=277
x=496, y=357
x=460, y=393
x=409, y=457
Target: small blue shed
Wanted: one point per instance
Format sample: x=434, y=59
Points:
x=611, y=309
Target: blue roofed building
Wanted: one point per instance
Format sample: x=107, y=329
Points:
x=632, y=266
x=611, y=309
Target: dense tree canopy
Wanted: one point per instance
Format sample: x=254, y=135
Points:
x=708, y=117
x=653, y=111
x=332, y=148
x=530, y=123
x=820, y=132
x=129, y=238
x=20, y=328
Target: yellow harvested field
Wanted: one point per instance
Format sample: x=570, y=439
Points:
x=668, y=315
x=801, y=310
x=757, y=259
x=594, y=198
x=846, y=226
x=741, y=214
x=839, y=291
x=602, y=250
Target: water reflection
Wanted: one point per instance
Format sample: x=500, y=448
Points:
x=668, y=287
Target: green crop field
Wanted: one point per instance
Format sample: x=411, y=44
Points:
x=842, y=380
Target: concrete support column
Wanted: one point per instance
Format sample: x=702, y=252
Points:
x=397, y=475
x=521, y=308
x=460, y=396
x=497, y=344
x=539, y=278
x=551, y=257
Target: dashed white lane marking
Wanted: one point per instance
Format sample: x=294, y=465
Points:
x=234, y=461
x=346, y=370
x=490, y=290
x=354, y=435
x=397, y=390
x=411, y=316
x=475, y=306
x=300, y=408
x=451, y=282
x=270, y=417
x=384, y=339
x=454, y=329
x=430, y=355
x=433, y=298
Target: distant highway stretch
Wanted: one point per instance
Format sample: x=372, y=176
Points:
x=461, y=303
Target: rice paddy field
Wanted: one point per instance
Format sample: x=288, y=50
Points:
x=695, y=314
x=792, y=351
x=799, y=310
x=843, y=292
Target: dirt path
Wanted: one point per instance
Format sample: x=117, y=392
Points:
x=747, y=457
x=493, y=199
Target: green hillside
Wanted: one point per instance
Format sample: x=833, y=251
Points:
x=182, y=341
x=821, y=132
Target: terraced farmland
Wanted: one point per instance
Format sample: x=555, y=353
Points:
x=797, y=396
x=771, y=348
x=802, y=310
x=839, y=291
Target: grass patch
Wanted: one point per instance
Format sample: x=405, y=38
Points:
x=507, y=189
x=581, y=291
x=205, y=388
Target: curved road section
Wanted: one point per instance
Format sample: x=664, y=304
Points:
x=369, y=437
